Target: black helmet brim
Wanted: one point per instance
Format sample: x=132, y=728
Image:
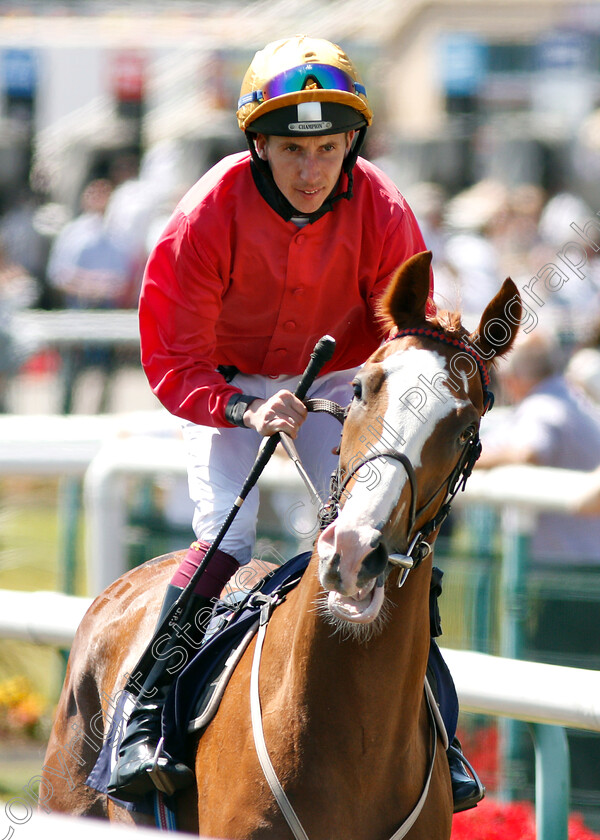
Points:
x=284, y=122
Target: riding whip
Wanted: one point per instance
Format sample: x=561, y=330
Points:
x=322, y=352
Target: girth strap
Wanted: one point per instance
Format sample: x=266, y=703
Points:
x=261, y=748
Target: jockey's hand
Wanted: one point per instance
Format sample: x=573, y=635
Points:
x=283, y=412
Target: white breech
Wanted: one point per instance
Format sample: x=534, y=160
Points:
x=219, y=460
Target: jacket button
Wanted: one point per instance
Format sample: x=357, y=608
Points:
x=290, y=325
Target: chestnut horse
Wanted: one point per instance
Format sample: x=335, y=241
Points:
x=341, y=682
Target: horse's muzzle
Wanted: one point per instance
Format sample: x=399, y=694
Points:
x=349, y=562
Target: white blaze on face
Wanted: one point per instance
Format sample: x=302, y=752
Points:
x=413, y=411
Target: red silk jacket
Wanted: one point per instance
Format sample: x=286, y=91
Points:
x=231, y=283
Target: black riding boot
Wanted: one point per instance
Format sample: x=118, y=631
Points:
x=467, y=791
x=130, y=779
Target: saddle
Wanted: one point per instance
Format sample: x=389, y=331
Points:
x=233, y=627
x=198, y=690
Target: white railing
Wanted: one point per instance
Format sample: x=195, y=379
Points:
x=533, y=489
x=65, y=327
x=105, y=495
x=491, y=685
x=90, y=447
x=42, y=618
x=29, y=824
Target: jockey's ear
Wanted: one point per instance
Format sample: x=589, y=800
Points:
x=405, y=299
x=260, y=144
x=499, y=323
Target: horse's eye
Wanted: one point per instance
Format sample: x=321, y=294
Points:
x=466, y=435
x=357, y=388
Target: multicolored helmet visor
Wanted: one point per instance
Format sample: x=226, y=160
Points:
x=304, y=77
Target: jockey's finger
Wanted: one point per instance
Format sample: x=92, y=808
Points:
x=278, y=414
x=289, y=402
x=285, y=419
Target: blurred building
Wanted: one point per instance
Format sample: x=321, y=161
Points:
x=488, y=88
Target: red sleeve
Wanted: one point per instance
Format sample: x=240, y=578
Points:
x=179, y=306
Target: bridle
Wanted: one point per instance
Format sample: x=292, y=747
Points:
x=418, y=547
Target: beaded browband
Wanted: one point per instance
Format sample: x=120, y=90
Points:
x=437, y=335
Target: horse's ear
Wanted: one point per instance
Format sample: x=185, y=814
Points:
x=499, y=323
x=405, y=298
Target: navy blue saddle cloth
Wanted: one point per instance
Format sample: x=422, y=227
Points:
x=192, y=681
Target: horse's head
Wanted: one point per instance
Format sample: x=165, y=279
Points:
x=410, y=437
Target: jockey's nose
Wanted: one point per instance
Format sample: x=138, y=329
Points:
x=309, y=168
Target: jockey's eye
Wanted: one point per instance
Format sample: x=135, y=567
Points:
x=357, y=388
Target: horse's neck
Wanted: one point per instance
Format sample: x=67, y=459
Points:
x=340, y=682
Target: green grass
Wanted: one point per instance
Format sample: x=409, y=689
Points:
x=32, y=545
x=31, y=542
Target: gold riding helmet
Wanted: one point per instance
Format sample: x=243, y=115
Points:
x=302, y=86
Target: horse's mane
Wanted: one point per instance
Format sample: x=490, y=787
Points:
x=444, y=320
x=449, y=322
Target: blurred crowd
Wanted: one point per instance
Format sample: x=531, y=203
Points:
x=87, y=258
x=92, y=256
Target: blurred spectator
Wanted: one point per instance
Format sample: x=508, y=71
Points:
x=521, y=238
x=23, y=244
x=18, y=290
x=91, y=271
x=551, y=425
x=583, y=371
x=428, y=201
x=86, y=264
x=579, y=298
x=475, y=219
x=140, y=204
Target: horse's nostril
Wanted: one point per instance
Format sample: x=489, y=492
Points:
x=373, y=565
x=375, y=539
x=329, y=572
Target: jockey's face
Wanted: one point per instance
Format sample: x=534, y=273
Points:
x=306, y=169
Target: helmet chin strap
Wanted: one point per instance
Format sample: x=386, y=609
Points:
x=265, y=183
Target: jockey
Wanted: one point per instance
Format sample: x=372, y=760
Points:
x=271, y=249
